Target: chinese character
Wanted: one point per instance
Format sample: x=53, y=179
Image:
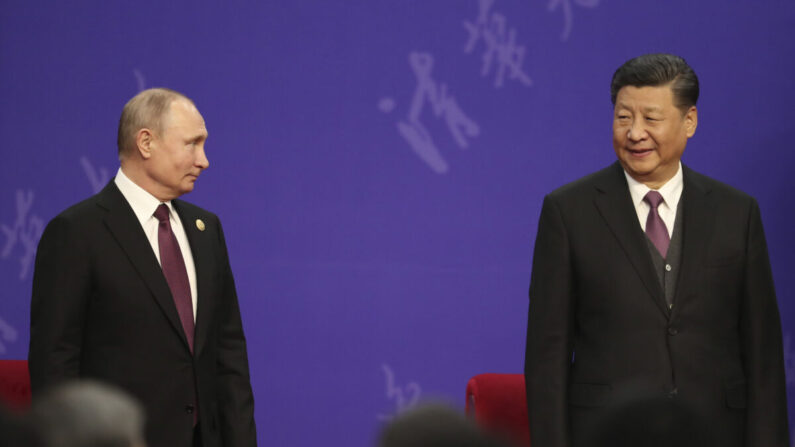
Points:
x=405, y=397
x=24, y=233
x=7, y=333
x=568, y=17
x=97, y=177
x=443, y=106
x=139, y=79
x=501, y=49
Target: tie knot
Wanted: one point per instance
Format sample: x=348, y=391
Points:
x=653, y=198
x=161, y=213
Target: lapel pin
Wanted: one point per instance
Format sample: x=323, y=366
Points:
x=200, y=225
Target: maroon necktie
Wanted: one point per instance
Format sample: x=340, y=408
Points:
x=655, y=227
x=175, y=272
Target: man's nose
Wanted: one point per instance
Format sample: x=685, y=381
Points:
x=201, y=159
x=637, y=130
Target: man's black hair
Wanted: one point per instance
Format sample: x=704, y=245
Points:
x=655, y=70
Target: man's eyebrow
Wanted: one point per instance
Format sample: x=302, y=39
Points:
x=652, y=109
x=647, y=109
x=197, y=137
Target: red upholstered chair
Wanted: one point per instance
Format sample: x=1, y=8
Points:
x=14, y=384
x=498, y=403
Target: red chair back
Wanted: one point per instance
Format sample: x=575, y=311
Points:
x=499, y=404
x=14, y=384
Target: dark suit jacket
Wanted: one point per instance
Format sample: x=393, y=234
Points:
x=102, y=309
x=600, y=334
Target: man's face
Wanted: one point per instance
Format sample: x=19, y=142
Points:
x=650, y=133
x=177, y=152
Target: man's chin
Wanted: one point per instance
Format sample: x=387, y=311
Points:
x=186, y=188
x=638, y=167
x=640, y=173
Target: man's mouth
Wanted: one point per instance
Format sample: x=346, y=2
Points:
x=639, y=152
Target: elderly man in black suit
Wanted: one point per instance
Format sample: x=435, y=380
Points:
x=651, y=280
x=133, y=287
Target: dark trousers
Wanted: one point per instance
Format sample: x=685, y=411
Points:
x=197, y=436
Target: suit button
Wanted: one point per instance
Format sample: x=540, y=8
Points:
x=189, y=409
x=673, y=393
x=673, y=331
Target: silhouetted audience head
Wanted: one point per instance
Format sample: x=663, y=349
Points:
x=88, y=414
x=434, y=425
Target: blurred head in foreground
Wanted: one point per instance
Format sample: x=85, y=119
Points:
x=434, y=425
x=88, y=414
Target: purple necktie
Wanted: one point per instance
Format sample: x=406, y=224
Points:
x=655, y=227
x=174, y=270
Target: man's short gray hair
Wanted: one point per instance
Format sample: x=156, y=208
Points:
x=145, y=110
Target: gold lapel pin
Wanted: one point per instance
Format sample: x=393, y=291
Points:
x=200, y=225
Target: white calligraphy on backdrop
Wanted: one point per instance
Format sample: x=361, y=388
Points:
x=7, y=334
x=442, y=104
x=97, y=177
x=403, y=397
x=23, y=234
x=502, y=57
x=501, y=50
x=140, y=80
x=568, y=14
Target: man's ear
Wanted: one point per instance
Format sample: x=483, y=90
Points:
x=143, y=142
x=691, y=121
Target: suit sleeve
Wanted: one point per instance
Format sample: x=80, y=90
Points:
x=760, y=329
x=550, y=331
x=61, y=288
x=235, y=399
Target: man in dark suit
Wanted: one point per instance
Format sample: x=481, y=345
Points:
x=651, y=280
x=133, y=287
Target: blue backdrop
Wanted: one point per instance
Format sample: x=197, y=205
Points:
x=379, y=166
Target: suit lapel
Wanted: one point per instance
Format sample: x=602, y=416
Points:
x=202, y=250
x=122, y=223
x=615, y=206
x=698, y=216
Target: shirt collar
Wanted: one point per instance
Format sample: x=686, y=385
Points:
x=671, y=191
x=142, y=203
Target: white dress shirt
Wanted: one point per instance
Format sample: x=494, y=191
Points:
x=144, y=206
x=671, y=192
